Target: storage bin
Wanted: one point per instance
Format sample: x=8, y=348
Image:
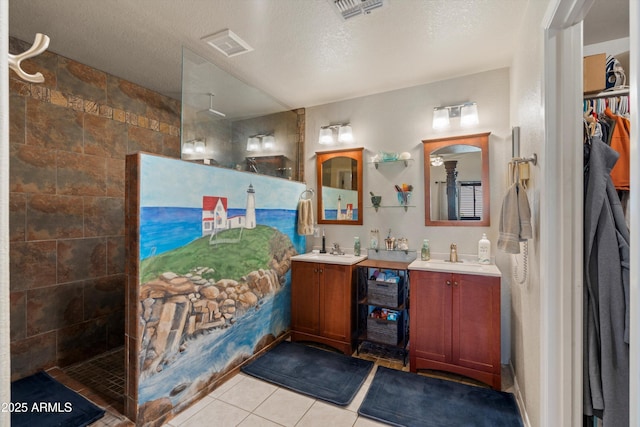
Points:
x=388, y=294
x=386, y=331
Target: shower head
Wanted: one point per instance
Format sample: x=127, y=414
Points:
x=212, y=110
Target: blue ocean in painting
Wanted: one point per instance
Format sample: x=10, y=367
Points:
x=211, y=353
x=166, y=228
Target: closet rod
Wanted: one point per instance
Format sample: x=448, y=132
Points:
x=607, y=94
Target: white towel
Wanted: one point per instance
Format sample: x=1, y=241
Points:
x=515, y=220
x=305, y=217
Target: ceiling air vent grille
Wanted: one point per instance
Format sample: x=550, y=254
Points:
x=350, y=8
x=228, y=42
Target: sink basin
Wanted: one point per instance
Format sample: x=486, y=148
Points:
x=346, y=259
x=465, y=267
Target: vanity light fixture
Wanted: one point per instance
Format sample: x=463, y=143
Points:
x=344, y=130
x=188, y=147
x=261, y=141
x=199, y=146
x=468, y=113
x=436, y=160
x=268, y=142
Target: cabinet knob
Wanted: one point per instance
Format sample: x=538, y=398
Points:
x=319, y=270
x=455, y=283
x=448, y=282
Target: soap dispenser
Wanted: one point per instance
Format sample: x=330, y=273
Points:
x=484, y=250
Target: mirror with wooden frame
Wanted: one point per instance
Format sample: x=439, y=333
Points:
x=456, y=180
x=339, y=181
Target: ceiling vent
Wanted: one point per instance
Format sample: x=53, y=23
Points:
x=351, y=8
x=228, y=42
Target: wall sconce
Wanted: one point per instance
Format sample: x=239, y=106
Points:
x=344, y=130
x=468, y=113
x=188, y=148
x=264, y=141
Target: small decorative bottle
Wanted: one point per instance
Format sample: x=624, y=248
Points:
x=425, y=253
x=373, y=236
x=484, y=250
x=356, y=246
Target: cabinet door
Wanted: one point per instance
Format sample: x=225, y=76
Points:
x=476, y=325
x=430, y=316
x=305, y=296
x=336, y=301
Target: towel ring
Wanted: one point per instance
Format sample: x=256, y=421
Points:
x=307, y=194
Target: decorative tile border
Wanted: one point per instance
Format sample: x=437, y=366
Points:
x=76, y=103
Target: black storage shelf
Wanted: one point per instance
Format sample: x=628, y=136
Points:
x=388, y=296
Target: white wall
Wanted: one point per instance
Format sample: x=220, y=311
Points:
x=398, y=121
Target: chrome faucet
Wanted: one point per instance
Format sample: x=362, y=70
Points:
x=453, y=255
x=336, y=250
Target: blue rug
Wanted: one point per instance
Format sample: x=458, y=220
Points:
x=406, y=399
x=40, y=400
x=321, y=374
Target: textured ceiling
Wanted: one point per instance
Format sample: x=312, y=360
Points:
x=304, y=54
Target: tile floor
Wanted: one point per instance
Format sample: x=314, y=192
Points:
x=243, y=400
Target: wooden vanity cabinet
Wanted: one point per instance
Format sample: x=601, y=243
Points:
x=455, y=324
x=322, y=304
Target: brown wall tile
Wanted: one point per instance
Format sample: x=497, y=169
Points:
x=54, y=127
x=33, y=354
x=32, y=169
x=81, y=175
x=104, y=296
x=32, y=264
x=145, y=140
x=81, y=80
x=17, y=217
x=115, y=329
x=69, y=137
x=82, y=341
x=54, y=217
x=141, y=101
x=103, y=216
x=115, y=255
x=18, y=313
x=80, y=259
x=171, y=146
x=115, y=178
x=104, y=137
x=16, y=119
x=54, y=307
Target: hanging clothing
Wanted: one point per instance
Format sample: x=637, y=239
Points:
x=606, y=293
x=620, y=141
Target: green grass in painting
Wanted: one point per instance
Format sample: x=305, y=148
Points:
x=229, y=260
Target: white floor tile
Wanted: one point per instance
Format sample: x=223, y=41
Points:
x=227, y=385
x=323, y=414
x=359, y=397
x=284, y=407
x=217, y=413
x=190, y=411
x=367, y=422
x=256, y=421
x=248, y=393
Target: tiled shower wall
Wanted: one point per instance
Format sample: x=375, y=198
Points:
x=69, y=137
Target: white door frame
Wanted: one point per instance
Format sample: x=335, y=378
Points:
x=562, y=210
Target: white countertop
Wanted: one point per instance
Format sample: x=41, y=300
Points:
x=346, y=259
x=465, y=266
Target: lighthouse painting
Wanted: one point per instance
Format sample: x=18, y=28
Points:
x=213, y=274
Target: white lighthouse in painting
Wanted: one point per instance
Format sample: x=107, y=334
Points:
x=250, y=214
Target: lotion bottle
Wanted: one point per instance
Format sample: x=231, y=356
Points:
x=484, y=250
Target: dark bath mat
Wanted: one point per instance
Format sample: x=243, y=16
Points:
x=321, y=374
x=40, y=400
x=406, y=399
